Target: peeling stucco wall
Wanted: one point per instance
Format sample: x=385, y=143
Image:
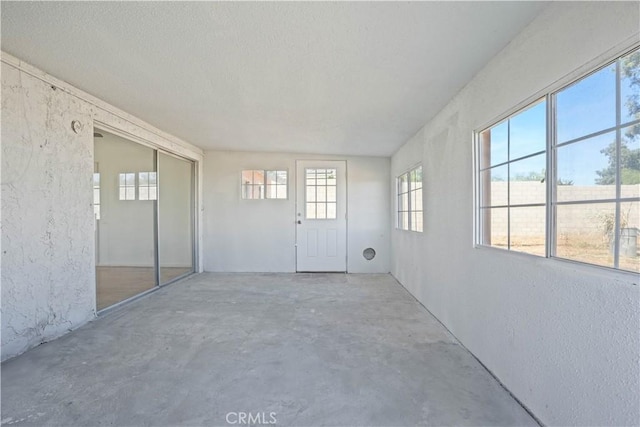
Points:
x=47, y=260
x=48, y=240
x=562, y=337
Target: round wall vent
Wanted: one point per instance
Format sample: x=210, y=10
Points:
x=369, y=254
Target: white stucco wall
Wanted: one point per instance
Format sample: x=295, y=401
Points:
x=47, y=214
x=259, y=235
x=48, y=241
x=562, y=337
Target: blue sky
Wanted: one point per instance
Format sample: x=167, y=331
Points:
x=586, y=107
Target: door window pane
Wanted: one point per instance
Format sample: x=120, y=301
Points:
x=331, y=211
x=311, y=211
x=321, y=193
x=321, y=211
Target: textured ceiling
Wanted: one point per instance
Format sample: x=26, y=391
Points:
x=335, y=78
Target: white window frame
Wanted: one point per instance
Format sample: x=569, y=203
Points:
x=326, y=199
x=96, y=195
x=148, y=186
x=509, y=204
x=126, y=186
x=551, y=204
x=410, y=208
x=264, y=194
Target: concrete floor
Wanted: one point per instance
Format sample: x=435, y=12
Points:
x=314, y=349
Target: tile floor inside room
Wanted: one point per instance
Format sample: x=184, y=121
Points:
x=115, y=284
x=313, y=349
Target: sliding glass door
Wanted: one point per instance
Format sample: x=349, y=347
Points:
x=143, y=207
x=175, y=217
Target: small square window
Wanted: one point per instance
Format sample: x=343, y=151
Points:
x=147, y=186
x=264, y=184
x=127, y=187
x=96, y=195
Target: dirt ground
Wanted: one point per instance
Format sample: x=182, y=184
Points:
x=592, y=249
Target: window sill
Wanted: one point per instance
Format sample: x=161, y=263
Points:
x=581, y=267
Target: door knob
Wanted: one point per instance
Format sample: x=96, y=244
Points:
x=299, y=222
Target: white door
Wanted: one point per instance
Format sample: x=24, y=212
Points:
x=321, y=215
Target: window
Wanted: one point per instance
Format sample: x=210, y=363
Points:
x=96, y=195
x=410, y=200
x=584, y=206
x=276, y=184
x=264, y=184
x=597, y=147
x=127, y=186
x=512, y=178
x=321, y=194
x=147, y=186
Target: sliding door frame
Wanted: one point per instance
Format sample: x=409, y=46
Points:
x=192, y=215
x=194, y=207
